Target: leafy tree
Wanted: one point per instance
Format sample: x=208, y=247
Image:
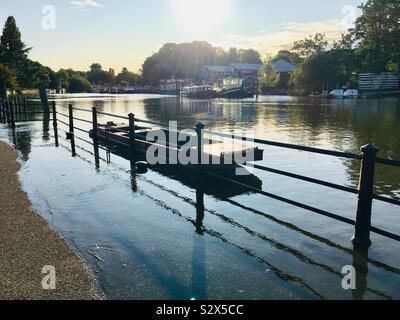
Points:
x=8, y=81
x=249, y=56
x=269, y=78
x=78, y=84
x=313, y=44
x=98, y=76
x=12, y=50
x=377, y=32
x=125, y=77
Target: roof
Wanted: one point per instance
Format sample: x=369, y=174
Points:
x=246, y=66
x=282, y=66
x=216, y=69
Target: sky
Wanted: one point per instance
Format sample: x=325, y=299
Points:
x=123, y=33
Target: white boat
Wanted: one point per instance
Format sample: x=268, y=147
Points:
x=336, y=94
x=351, y=94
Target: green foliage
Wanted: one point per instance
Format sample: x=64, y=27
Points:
x=314, y=44
x=269, y=78
x=13, y=51
x=78, y=84
x=186, y=59
x=97, y=75
x=8, y=80
x=125, y=77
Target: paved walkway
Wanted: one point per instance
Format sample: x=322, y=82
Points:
x=27, y=244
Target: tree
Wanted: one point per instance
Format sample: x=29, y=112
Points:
x=12, y=50
x=249, y=56
x=8, y=81
x=125, y=77
x=377, y=31
x=313, y=44
x=269, y=78
x=98, y=76
x=78, y=84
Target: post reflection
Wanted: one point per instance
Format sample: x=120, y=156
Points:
x=360, y=264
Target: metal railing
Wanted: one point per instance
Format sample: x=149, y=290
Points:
x=367, y=157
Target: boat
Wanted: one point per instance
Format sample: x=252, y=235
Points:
x=351, y=94
x=198, y=92
x=336, y=94
x=116, y=138
x=233, y=88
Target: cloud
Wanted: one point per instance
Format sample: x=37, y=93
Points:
x=270, y=42
x=79, y=4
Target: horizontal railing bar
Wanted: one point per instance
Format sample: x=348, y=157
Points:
x=292, y=202
x=158, y=123
x=386, y=199
x=395, y=163
x=385, y=234
x=307, y=179
x=112, y=115
x=63, y=114
x=82, y=130
x=83, y=120
x=289, y=146
x=67, y=124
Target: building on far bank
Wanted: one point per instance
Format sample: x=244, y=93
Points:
x=249, y=73
x=214, y=75
x=173, y=86
x=284, y=69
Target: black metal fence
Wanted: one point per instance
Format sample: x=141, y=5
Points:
x=367, y=157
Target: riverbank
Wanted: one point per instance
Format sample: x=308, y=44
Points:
x=27, y=244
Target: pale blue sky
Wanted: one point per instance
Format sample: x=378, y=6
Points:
x=119, y=33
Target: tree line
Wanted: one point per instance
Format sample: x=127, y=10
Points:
x=373, y=45
x=18, y=72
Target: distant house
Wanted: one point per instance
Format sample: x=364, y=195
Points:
x=173, y=86
x=214, y=75
x=284, y=69
x=248, y=72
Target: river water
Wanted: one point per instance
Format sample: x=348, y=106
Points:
x=156, y=239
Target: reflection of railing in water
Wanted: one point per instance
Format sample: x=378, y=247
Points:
x=360, y=260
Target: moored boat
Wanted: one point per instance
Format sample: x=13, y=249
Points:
x=198, y=92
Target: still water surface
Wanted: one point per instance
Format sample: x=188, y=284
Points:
x=158, y=241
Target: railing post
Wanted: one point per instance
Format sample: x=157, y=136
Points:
x=25, y=107
x=199, y=130
x=132, y=138
x=55, y=124
x=95, y=137
x=12, y=116
x=71, y=134
x=7, y=110
x=362, y=232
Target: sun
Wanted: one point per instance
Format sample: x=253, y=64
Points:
x=200, y=15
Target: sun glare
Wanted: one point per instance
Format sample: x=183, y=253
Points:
x=201, y=15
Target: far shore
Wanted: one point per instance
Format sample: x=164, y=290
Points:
x=28, y=244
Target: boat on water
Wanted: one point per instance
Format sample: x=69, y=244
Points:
x=337, y=94
x=233, y=88
x=198, y=92
x=116, y=137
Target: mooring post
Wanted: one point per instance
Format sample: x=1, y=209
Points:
x=95, y=137
x=70, y=134
x=55, y=124
x=362, y=232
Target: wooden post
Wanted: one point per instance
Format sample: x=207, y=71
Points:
x=55, y=124
x=95, y=137
x=71, y=134
x=43, y=98
x=361, y=238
